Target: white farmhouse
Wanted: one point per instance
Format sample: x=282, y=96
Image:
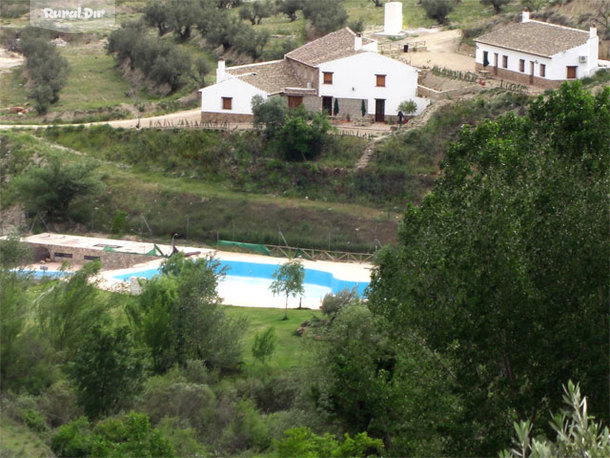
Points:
x=538, y=53
x=341, y=73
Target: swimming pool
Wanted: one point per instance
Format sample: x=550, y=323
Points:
x=44, y=274
x=258, y=277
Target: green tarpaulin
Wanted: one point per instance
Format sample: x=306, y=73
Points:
x=248, y=246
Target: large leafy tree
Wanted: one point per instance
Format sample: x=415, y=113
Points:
x=504, y=267
x=177, y=317
x=106, y=370
x=51, y=188
x=367, y=382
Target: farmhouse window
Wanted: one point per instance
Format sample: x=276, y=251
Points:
x=227, y=103
x=328, y=78
x=542, y=70
x=521, y=65
x=571, y=72
x=380, y=80
x=505, y=61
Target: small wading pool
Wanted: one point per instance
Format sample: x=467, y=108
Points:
x=257, y=278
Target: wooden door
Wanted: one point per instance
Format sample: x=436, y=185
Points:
x=327, y=105
x=294, y=101
x=571, y=72
x=531, y=72
x=379, y=110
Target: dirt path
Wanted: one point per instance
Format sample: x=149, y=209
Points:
x=441, y=50
x=9, y=60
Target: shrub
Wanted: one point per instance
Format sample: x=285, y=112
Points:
x=438, y=9
x=301, y=140
x=47, y=70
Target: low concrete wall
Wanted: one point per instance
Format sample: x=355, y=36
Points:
x=109, y=259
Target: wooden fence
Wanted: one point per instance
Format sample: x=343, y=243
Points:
x=398, y=47
x=186, y=124
x=319, y=255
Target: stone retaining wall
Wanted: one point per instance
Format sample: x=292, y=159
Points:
x=109, y=259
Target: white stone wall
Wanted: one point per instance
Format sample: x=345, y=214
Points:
x=354, y=77
x=556, y=66
x=240, y=91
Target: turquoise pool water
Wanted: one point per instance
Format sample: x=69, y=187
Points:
x=40, y=274
x=317, y=280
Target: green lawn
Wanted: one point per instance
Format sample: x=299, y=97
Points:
x=290, y=350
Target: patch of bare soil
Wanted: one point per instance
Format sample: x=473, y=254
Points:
x=9, y=60
x=429, y=79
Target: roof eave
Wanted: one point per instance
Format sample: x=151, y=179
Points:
x=518, y=49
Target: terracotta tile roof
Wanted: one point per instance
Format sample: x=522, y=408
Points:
x=333, y=46
x=535, y=37
x=272, y=77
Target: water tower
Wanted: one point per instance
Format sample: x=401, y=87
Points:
x=392, y=18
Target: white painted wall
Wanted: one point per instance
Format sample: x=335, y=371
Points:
x=354, y=78
x=555, y=65
x=242, y=93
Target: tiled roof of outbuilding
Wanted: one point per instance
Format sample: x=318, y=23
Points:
x=272, y=77
x=333, y=46
x=535, y=37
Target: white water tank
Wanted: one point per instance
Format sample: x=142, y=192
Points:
x=392, y=18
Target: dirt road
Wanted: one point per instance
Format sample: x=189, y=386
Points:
x=441, y=50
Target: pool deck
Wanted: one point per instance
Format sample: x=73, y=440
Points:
x=231, y=293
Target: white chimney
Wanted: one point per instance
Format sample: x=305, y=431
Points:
x=592, y=31
x=220, y=71
x=392, y=18
x=358, y=42
x=525, y=15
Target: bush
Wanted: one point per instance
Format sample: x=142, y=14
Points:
x=325, y=16
x=301, y=140
x=194, y=405
x=438, y=9
x=51, y=188
x=161, y=62
x=247, y=429
x=130, y=435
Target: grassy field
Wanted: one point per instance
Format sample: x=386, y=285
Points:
x=18, y=440
x=289, y=349
x=210, y=209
